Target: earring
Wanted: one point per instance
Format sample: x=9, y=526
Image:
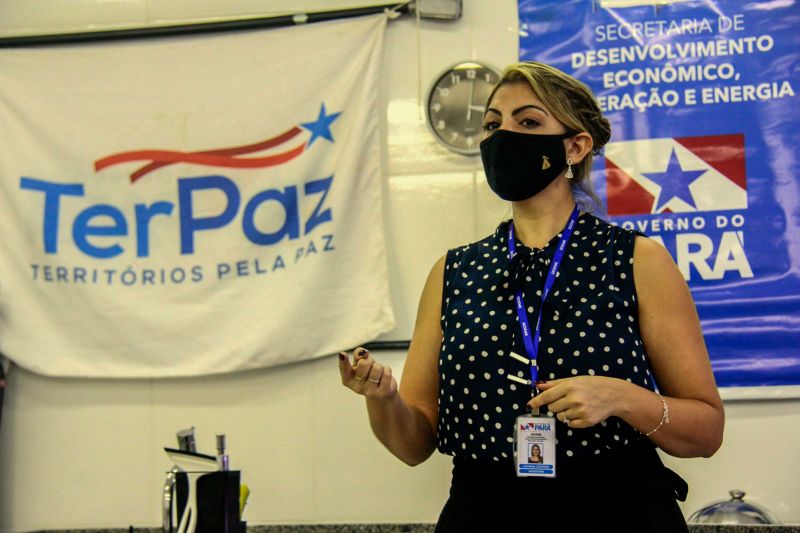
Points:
x=569, y=175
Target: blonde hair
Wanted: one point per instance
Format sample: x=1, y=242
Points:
x=573, y=105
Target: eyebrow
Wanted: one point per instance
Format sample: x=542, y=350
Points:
x=520, y=110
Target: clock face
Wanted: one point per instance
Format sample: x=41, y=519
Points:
x=456, y=104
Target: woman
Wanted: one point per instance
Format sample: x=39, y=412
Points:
x=535, y=455
x=617, y=321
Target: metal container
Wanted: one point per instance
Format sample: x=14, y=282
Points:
x=732, y=512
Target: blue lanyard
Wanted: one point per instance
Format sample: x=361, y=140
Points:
x=532, y=344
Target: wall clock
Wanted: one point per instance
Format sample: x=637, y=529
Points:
x=456, y=103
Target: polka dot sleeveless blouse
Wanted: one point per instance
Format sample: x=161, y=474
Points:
x=589, y=327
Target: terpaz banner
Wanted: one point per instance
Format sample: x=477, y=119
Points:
x=702, y=99
x=192, y=206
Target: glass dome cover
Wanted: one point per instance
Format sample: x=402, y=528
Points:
x=733, y=511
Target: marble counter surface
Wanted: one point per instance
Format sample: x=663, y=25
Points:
x=745, y=529
x=413, y=528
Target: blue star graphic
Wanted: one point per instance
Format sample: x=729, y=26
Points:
x=321, y=127
x=674, y=182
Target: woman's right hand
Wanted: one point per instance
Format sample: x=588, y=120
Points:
x=366, y=376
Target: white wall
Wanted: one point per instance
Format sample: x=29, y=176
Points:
x=87, y=453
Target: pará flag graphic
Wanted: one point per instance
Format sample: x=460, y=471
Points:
x=683, y=174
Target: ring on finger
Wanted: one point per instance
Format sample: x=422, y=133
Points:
x=566, y=420
x=374, y=380
x=358, y=379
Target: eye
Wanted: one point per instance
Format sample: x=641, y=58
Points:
x=490, y=126
x=529, y=123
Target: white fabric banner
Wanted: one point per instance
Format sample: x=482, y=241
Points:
x=191, y=206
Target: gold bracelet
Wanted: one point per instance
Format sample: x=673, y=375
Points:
x=664, y=416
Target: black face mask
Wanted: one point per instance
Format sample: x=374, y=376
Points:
x=520, y=165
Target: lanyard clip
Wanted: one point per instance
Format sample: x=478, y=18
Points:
x=534, y=411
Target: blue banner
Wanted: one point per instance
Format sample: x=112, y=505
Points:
x=702, y=99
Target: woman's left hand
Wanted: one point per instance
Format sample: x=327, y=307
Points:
x=582, y=401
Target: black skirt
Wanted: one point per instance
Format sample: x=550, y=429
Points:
x=624, y=492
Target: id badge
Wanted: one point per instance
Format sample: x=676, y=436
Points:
x=535, y=446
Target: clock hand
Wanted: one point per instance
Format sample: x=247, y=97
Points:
x=471, y=93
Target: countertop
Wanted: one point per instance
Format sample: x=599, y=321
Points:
x=414, y=528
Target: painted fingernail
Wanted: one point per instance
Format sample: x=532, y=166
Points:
x=362, y=352
x=540, y=382
x=342, y=356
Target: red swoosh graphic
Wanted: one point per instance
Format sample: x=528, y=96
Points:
x=222, y=157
